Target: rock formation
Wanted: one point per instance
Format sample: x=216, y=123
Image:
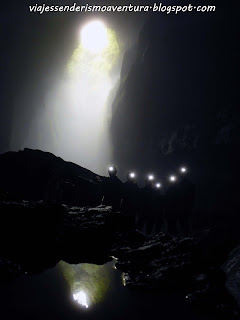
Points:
x=37, y=175
x=178, y=103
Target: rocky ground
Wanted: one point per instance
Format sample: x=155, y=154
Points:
x=36, y=235
x=38, y=232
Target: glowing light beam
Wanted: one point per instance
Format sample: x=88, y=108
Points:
x=94, y=37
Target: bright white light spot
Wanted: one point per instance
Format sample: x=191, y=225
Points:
x=183, y=169
x=132, y=175
x=150, y=177
x=158, y=185
x=81, y=298
x=111, y=169
x=94, y=37
x=123, y=280
x=172, y=178
x=114, y=258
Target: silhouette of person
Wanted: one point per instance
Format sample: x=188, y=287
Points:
x=186, y=190
x=172, y=205
x=112, y=189
x=158, y=208
x=130, y=196
x=147, y=205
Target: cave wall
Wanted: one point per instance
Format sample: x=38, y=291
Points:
x=177, y=103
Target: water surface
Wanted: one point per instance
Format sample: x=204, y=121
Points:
x=86, y=291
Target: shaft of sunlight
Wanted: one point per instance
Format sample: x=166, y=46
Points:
x=74, y=122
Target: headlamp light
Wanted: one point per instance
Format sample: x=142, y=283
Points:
x=132, y=175
x=150, y=177
x=172, y=178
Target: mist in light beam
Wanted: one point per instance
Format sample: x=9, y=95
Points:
x=74, y=122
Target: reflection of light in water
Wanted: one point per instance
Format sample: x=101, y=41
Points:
x=123, y=280
x=89, y=283
x=81, y=298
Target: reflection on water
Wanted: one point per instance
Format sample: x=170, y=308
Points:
x=87, y=292
x=81, y=298
x=89, y=283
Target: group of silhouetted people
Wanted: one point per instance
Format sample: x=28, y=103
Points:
x=148, y=207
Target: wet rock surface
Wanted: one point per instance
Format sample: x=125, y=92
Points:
x=163, y=263
x=36, y=235
x=232, y=270
x=160, y=261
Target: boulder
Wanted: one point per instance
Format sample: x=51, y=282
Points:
x=37, y=175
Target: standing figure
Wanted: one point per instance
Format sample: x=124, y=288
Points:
x=130, y=199
x=187, y=192
x=147, y=205
x=112, y=190
x=158, y=207
x=172, y=205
